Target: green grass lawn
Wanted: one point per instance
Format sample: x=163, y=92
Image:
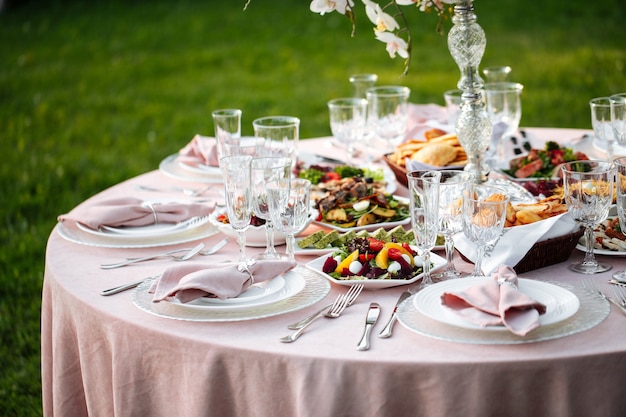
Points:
x=92, y=93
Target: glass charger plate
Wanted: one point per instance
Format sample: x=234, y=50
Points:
x=315, y=289
x=592, y=311
x=71, y=232
x=172, y=168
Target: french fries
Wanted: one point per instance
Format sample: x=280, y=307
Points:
x=533, y=212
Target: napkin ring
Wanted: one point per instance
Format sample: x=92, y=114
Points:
x=245, y=267
x=148, y=204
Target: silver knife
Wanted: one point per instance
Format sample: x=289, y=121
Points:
x=386, y=332
x=372, y=316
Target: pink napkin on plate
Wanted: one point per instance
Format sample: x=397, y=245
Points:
x=194, y=280
x=201, y=150
x=130, y=211
x=497, y=301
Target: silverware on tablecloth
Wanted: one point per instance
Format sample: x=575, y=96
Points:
x=305, y=321
x=370, y=320
x=193, y=251
x=125, y=287
x=590, y=285
x=340, y=304
x=388, y=329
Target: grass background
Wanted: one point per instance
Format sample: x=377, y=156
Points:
x=95, y=92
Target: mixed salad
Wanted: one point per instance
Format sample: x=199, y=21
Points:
x=542, y=163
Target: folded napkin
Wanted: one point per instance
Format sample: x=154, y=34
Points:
x=129, y=211
x=497, y=301
x=194, y=280
x=201, y=150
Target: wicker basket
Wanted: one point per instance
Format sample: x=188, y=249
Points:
x=547, y=252
x=399, y=171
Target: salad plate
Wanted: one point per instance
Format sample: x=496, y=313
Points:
x=373, y=284
x=560, y=303
x=173, y=168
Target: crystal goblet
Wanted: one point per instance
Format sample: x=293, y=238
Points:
x=281, y=134
x=348, y=118
x=388, y=113
x=620, y=174
x=504, y=106
x=236, y=172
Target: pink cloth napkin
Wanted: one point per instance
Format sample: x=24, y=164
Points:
x=194, y=280
x=201, y=150
x=497, y=301
x=129, y=211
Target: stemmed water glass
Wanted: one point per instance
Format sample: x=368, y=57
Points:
x=388, y=113
x=348, y=118
x=289, y=206
x=601, y=124
x=451, y=186
x=618, y=117
x=227, y=123
x=281, y=134
x=424, y=207
x=262, y=171
x=588, y=191
x=484, y=215
x=236, y=172
x=504, y=106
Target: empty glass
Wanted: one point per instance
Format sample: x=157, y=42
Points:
x=388, y=113
x=227, y=124
x=484, y=215
x=601, y=124
x=504, y=106
x=620, y=166
x=348, y=118
x=245, y=145
x=453, y=99
x=618, y=117
x=588, y=191
x=424, y=205
x=281, y=134
x=289, y=206
x=263, y=171
x=236, y=172
x=361, y=83
x=497, y=74
x=451, y=186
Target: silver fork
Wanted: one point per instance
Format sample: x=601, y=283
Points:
x=590, y=285
x=305, y=321
x=340, y=304
x=172, y=254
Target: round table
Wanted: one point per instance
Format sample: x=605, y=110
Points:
x=103, y=356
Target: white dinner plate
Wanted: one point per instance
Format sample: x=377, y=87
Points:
x=253, y=293
x=370, y=227
x=605, y=252
x=201, y=169
x=373, y=284
x=171, y=167
x=293, y=284
x=151, y=230
x=560, y=303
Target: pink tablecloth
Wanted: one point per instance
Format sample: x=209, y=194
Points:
x=102, y=356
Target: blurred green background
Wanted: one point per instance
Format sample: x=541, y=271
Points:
x=95, y=92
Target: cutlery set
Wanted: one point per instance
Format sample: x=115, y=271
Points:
x=618, y=291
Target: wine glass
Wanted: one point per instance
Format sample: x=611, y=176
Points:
x=620, y=174
x=227, y=124
x=602, y=125
x=236, y=172
x=484, y=215
x=588, y=191
x=348, y=117
x=388, y=113
x=281, y=134
x=451, y=186
x=504, y=106
x=424, y=205
x=289, y=206
x=618, y=117
x=262, y=171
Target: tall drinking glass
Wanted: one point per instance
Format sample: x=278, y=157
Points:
x=245, y=145
x=281, y=134
x=453, y=99
x=451, y=187
x=504, y=106
x=263, y=171
x=601, y=124
x=361, y=83
x=424, y=206
x=388, y=113
x=348, y=118
x=497, y=74
x=236, y=172
x=618, y=117
x=588, y=191
x=620, y=166
x=227, y=124
x=289, y=204
x=484, y=215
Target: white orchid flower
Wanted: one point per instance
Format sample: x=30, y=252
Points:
x=326, y=6
x=407, y=2
x=395, y=44
x=383, y=21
